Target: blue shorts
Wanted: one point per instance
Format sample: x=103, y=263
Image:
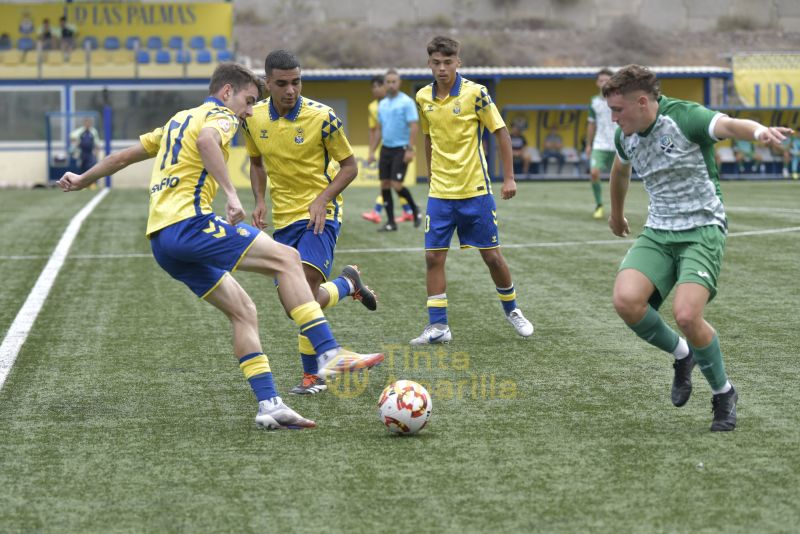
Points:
x=315, y=250
x=199, y=251
x=475, y=219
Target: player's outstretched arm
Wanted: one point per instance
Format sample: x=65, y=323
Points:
x=107, y=166
x=208, y=144
x=749, y=130
x=618, y=188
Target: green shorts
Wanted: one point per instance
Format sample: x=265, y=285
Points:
x=668, y=258
x=602, y=159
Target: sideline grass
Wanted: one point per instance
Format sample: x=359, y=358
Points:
x=126, y=412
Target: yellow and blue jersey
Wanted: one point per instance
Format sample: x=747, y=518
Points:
x=180, y=186
x=456, y=125
x=372, y=114
x=297, y=150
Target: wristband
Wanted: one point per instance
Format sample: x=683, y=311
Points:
x=760, y=130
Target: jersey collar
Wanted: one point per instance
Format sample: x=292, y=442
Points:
x=454, y=91
x=292, y=115
x=658, y=113
x=214, y=100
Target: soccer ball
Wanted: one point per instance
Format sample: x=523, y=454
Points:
x=405, y=407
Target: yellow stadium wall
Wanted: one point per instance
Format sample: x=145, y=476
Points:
x=125, y=19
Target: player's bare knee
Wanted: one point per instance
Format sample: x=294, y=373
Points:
x=629, y=306
x=686, y=317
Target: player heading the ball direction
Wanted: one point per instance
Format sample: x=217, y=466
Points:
x=199, y=248
x=670, y=143
x=454, y=112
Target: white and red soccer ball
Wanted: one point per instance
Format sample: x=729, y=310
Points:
x=405, y=407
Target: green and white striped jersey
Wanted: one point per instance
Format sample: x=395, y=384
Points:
x=675, y=159
x=600, y=114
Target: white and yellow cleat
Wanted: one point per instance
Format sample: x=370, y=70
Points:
x=340, y=360
x=598, y=213
x=273, y=414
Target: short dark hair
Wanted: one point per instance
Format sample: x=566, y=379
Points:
x=443, y=45
x=237, y=76
x=377, y=80
x=605, y=71
x=632, y=78
x=281, y=60
x=392, y=71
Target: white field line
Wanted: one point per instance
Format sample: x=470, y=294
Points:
x=18, y=332
x=553, y=244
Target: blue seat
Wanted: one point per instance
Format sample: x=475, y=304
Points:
x=163, y=56
x=219, y=42
x=197, y=42
x=142, y=56
x=224, y=55
x=133, y=42
x=25, y=44
x=175, y=42
x=203, y=56
x=90, y=42
x=111, y=43
x=154, y=42
x=183, y=56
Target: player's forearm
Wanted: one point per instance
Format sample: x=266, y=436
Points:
x=591, y=129
x=115, y=162
x=504, y=145
x=374, y=139
x=347, y=173
x=412, y=136
x=428, y=154
x=618, y=187
x=258, y=178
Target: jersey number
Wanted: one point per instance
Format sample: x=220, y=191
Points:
x=177, y=144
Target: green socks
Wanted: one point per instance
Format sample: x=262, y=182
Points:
x=655, y=331
x=709, y=360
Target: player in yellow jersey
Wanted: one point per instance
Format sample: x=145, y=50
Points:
x=293, y=139
x=454, y=112
x=200, y=249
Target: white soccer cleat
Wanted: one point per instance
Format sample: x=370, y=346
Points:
x=523, y=326
x=433, y=333
x=340, y=360
x=273, y=414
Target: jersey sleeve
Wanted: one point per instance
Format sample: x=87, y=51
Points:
x=224, y=122
x=592, y=115
x=424, y=126
x=618, y=143
x=249, y=143
x=334, y=139
x=487, y=111
x=372, y=115
x=151, y=141
x=410, y=111
x=696, y=122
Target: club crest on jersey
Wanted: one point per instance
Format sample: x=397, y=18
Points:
x=299, y=137
x=429, y=108
x=224, y=124
x=457, y=108
x=243, y=232
x=666, y=144
x=264, y=134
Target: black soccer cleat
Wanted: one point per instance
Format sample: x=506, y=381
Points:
x=309, y=385
x=362, y=293
x=388, y=227
x=723, y=406
x=417, y=219
x=682, y=381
